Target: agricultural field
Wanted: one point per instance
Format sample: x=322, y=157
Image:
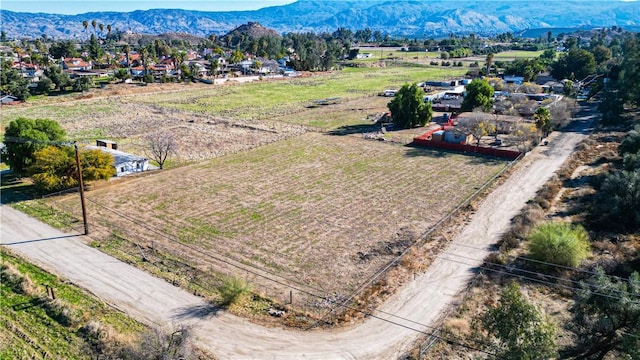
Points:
x=322, y=210
x=266, y=179
x=517, y=54
x=210, y=121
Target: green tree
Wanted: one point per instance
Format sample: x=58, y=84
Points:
x=127, y=49
x=489, y=62
x=519, y=330
x=615, y=206
x=236, y=57
x=24, y=137
x=408, y=108
x=83, y=83
x=607, y=317
x=45, y=85
x=574, y=65
x=95, y=50
x=122, y=74
x=13, y=83
x=214, y=65
x=59, y=78
x=527, y=68
x=479, y=95
x=62, y=49
x=85, y=25
x=559, y=243
x=547, y=57
x=601, y=54
x=630, y=72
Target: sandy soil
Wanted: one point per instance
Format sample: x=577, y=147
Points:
x=415, y=307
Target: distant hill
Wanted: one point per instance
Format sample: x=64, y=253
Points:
x=423, y=18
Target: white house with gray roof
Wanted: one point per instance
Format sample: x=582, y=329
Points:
x=125, y=163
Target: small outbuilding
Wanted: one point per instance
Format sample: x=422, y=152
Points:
x=457, y=137
x=7, y=99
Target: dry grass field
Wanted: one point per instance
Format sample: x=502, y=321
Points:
x=322, y=210
x=277, y=178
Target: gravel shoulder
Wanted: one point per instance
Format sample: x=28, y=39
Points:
x=415, y=307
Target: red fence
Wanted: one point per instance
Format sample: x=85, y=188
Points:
x=501, y=153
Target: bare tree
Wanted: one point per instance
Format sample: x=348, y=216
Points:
x=522, y=135
x=478, y=124
x=158, y=344
x=161, y=145
x=502, y=126
x=561, y=113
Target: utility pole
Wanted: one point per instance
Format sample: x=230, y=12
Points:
x=84, y=208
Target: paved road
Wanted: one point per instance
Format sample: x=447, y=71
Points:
x=416, y=306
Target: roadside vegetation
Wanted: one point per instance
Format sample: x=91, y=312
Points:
x=43, y=317
x=573, y=251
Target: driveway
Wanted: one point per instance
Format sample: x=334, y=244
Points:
x=415, y=307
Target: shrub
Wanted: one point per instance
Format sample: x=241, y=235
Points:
x=232, y=289
x=61, y=312
x=616, y=203
x=631, y=162
x=559, y=243
x=20, y=283
x=631, y=143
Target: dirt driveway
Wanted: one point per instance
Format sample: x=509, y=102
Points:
x=415, y=307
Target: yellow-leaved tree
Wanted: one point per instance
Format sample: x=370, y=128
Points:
x=54, y=167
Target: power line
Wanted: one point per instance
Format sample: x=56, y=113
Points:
x=537, y=280
x=336, y=302
x=538, y=273
x=524, y=258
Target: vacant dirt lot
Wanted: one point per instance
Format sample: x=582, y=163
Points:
x=317, y=209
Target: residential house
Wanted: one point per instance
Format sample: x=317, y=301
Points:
x=75, y=64
x=516, y=80
x=124, y=163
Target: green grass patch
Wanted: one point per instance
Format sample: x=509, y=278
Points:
x=47, y=214
x=34, y=326
x=518, y=54
x=272, y=99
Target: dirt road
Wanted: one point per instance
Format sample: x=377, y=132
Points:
x=415, y=307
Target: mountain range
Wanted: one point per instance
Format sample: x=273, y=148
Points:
x=416, y=18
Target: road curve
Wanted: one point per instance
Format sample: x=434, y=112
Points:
x=415, y=307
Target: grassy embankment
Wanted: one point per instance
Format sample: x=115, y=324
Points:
x=75, y=325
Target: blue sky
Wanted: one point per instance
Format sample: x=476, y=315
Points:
x=73, y=7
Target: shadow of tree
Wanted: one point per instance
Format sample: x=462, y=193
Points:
x=353, y=129
x=415, y=151
x=13, y=189
x=200, y=311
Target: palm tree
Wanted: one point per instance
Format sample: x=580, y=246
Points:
x=85, y=25
x=214, y=66
x=94, y=23
x=543, y=120
x=178, y=58
x=127, y=50
x=108, y=29
x=101, y=27
x=489, y=61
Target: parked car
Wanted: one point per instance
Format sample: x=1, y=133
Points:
x=388, y=93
